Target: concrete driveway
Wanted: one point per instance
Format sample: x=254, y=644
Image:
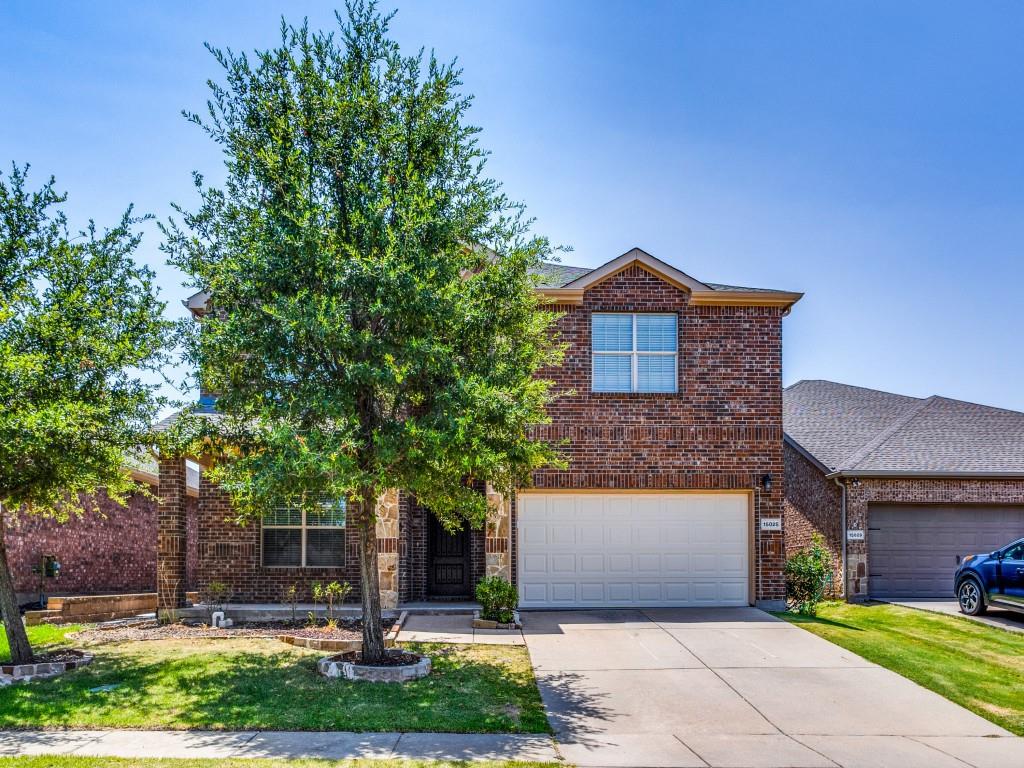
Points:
x=738, y=687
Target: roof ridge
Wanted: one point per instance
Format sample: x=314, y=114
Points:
x=851, y=461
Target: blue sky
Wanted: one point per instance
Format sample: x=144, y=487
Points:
x=868, y=154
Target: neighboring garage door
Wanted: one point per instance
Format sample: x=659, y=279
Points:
x=644, y=549
x=912, y=548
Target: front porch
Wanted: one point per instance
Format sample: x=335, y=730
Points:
x=419, y=563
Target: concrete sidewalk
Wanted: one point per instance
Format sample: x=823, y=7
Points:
x=281, y=745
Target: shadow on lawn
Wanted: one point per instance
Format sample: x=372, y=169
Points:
x=239, y=690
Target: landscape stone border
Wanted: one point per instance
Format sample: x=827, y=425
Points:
x=25, y=673
x=479, y=623
x=336, y=666
x=342, y=646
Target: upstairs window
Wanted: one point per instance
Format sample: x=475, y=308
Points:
x=634, y=352
x=296, y=539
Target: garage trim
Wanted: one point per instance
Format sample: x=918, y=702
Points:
x=753, y=567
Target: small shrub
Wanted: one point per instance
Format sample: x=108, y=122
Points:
x=317, y=590
x=291, y=599
x=497, y=598
x=808, y=574
x=336, y=593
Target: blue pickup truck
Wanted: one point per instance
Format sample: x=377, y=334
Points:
x=995, y=579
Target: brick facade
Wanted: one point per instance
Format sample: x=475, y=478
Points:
x=814, y=504
x=109, y=550
x=862, y=493
x=721, y=431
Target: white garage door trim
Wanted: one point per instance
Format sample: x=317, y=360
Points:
x=583, y=549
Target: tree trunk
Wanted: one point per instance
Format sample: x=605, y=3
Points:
x=369, y=579
x=17, y=637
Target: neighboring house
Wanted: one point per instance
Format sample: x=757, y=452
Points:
x=109, y=550
x=919, y=481
x=670, y=414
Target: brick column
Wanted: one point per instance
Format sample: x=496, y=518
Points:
x=171, y=537
x=387, y=547
x=498, y=535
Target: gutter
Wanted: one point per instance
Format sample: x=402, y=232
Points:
x=935, y=474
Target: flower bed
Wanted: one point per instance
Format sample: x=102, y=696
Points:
x=346, y=630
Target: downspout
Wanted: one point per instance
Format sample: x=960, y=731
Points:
x=842, y=533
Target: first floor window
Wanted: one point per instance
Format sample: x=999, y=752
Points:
x=293, y=538
x=634, y=352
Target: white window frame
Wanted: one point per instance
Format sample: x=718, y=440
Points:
x=635, y=355
x=304, y=527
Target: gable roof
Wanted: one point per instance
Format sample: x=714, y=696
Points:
x=853, y=431
x=565, y=284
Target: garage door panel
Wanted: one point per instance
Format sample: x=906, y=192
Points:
x=633, y=549
x=913, y=548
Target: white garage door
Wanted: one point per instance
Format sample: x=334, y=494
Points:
x=644, y=549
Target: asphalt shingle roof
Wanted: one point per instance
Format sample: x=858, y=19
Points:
x=554, y=275
x=857, y=430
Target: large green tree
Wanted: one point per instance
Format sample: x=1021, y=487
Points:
x=80, y=324
x=372, y=322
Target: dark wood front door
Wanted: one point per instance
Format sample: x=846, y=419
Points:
x=449, y=561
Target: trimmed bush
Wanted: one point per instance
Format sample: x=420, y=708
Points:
x=807, y=576
x=497, y=598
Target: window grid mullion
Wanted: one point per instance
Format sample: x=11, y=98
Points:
x=635, y=376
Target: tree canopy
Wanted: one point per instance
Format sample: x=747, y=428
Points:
x=372, y=322
x=80, y=327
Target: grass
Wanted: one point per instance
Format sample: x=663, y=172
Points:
x=63, y=761
x=263, y=684
x=977, y=666
x=41, y=637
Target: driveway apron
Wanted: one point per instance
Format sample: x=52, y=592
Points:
x=738, y=687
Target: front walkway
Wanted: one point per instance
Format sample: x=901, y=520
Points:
x=280, y=745
x=453, y=628
x=738, y=687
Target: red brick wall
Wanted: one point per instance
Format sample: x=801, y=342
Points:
x=230, y=553
x=813, y=504
x=861, y=495
x=722, y=430
x=111, y=550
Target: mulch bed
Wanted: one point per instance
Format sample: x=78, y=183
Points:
x=347, y=629
x=392, y=659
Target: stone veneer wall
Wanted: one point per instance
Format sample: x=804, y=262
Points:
x=388, y=527
x=498, y=535
x=721, y=431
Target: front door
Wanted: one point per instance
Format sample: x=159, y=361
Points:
x=448, y=568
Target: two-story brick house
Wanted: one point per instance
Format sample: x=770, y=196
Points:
x=670, y=415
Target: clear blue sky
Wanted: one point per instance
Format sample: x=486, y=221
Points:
x=869, y=154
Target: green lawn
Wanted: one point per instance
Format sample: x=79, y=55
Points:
x=977, y=666
x=40, y=637
x=263, y=684
x=121, y=762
